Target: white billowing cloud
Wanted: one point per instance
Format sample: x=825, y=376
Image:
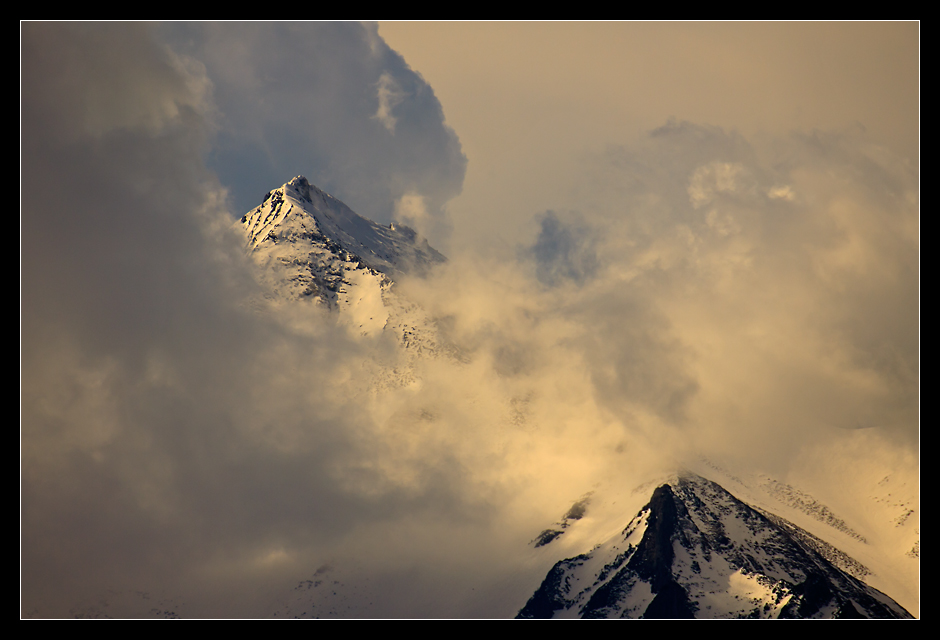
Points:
x=414, y=210
x=785, y=315
x=715, y=178
x=411, y=210
x=782, y=192
x=390, y=95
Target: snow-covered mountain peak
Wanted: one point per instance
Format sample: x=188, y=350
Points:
x=695, y=550
x=301, y=186
x=299, y=212
x=309, y=247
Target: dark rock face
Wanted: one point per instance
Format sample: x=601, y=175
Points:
x=697, y=551
x=576, y=512
x=671, y=602
x=549, y=597
x=546, y=537
x=654, y=555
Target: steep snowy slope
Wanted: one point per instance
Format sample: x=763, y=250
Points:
x=299, y=212
x=696, y=551
x=310, y=247
x=772, y=549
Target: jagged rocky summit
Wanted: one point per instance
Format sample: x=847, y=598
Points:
x=310, y=247
x=696, y=551
x=301, y=226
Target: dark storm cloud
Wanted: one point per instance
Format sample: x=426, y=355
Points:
x=112, y=184
x=173, y=439
x=330, y=101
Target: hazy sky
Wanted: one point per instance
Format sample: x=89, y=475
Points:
x=665, y=240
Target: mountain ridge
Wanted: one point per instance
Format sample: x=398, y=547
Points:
x=311, y=248
x=391, y=249
x=694, y=550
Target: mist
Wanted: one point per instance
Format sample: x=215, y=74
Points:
x=685, y=291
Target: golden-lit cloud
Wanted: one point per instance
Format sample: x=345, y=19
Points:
x=664, y=241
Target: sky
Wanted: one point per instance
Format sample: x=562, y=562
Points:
x=665, y=241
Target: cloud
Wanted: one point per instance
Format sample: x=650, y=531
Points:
x=177, y=439
x=563, y=250
x=330, y=101
x=411, y=210
x=760, y=286
x=707, y=293
x=390, y=96
x=171, y=434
